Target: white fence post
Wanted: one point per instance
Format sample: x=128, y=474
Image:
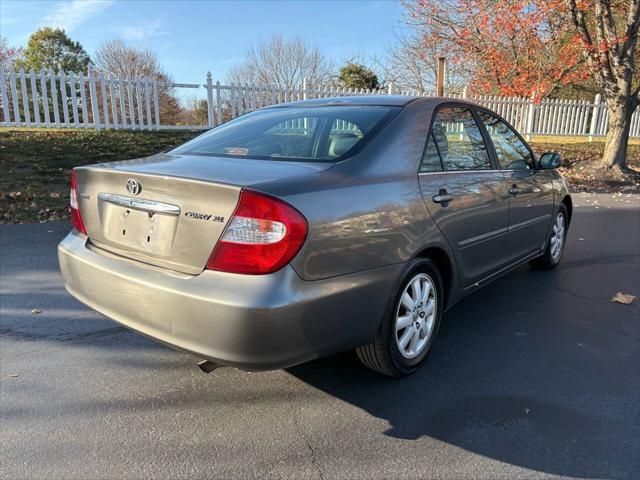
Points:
x=114, y=106
x=34, y=95
x=595, y=117
x=54, y=97
x=14, y=97
x=219, y=102
x=85, y=104
x=5, y=98
x=156, y=107
x=105, y=105
x=147, y=101
x=123, y=103
x=531, y=111
x=209, y=87
x=25, y=99
x=45, y=100
x=94, y=99
x=63, y=95
x=139, y=103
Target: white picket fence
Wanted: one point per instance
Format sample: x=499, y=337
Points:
x=96, y=100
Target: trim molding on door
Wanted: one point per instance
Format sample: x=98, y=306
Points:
x=481, y=238
x=527, y=223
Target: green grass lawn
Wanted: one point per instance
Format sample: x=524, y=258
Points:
x=35, y=164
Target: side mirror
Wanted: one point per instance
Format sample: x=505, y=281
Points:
x=550, y=160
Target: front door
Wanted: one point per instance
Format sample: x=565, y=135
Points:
x=530, y=189
x=465, y=195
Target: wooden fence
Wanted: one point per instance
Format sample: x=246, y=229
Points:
x=96, y=100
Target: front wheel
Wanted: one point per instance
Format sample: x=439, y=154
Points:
x=555, y=245
x=411, y=322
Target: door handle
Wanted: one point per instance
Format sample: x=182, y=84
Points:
x=442, y=197
x=514, y=190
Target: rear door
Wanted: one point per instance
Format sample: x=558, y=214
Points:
x=530, y=190
x=466, y=196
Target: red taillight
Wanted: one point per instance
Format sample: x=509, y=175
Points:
x=262, y=236
x=76, y=218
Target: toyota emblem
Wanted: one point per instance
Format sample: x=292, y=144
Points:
x=133, y=186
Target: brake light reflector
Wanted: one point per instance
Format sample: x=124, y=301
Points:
x=76, y=218
x=262, y=236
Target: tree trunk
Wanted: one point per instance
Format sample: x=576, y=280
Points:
x=615, y=149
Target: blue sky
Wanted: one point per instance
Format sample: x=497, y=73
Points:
x=191, y=37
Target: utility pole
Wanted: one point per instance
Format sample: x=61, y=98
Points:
x=440, y=77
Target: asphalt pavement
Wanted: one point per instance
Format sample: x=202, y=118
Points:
x=536, y=375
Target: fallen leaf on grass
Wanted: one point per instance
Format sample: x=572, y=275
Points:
x=36, y=311
x=624, y=298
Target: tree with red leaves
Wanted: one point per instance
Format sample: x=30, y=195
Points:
x=510, y=47
x=8, y=54
x=608, y=35
x=531, y=48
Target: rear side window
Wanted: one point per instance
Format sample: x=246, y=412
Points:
x=512, y=153
x=318, y=134
x=458, y=140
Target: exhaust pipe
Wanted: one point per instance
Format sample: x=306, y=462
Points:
x=208, y=366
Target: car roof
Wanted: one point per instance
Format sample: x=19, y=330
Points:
x=369, y=100
x=386, y=100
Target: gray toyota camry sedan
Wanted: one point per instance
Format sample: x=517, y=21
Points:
x=314, y=227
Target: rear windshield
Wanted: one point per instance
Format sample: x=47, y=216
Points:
x=317, y=134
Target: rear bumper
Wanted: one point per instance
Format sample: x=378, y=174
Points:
x=254, y=322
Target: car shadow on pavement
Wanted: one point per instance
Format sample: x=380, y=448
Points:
x=523, y=382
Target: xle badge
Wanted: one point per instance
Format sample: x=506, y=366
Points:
x=204, y=216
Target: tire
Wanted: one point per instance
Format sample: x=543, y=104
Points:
x=385, y=354
x=551, y=256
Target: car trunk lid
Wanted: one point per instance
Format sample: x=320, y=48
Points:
x=170, y=210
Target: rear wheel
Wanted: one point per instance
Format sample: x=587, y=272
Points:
x=411, y=322
x=555, y=246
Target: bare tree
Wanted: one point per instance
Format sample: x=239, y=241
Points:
x=116, y=58
x=195, y=111
x=411, y=64
x=283, y=63
x=609, y=32
x=412, y=61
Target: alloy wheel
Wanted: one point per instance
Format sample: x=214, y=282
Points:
x=415, y=315
x=557, y=237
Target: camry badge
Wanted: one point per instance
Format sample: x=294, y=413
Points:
x=133, y=187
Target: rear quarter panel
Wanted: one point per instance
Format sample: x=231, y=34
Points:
x=367, y=211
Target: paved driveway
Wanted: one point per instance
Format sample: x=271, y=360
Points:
x=538, y=374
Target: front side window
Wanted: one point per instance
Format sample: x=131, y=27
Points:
x=512, y=153
x=459, y=141
x=317, y=134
